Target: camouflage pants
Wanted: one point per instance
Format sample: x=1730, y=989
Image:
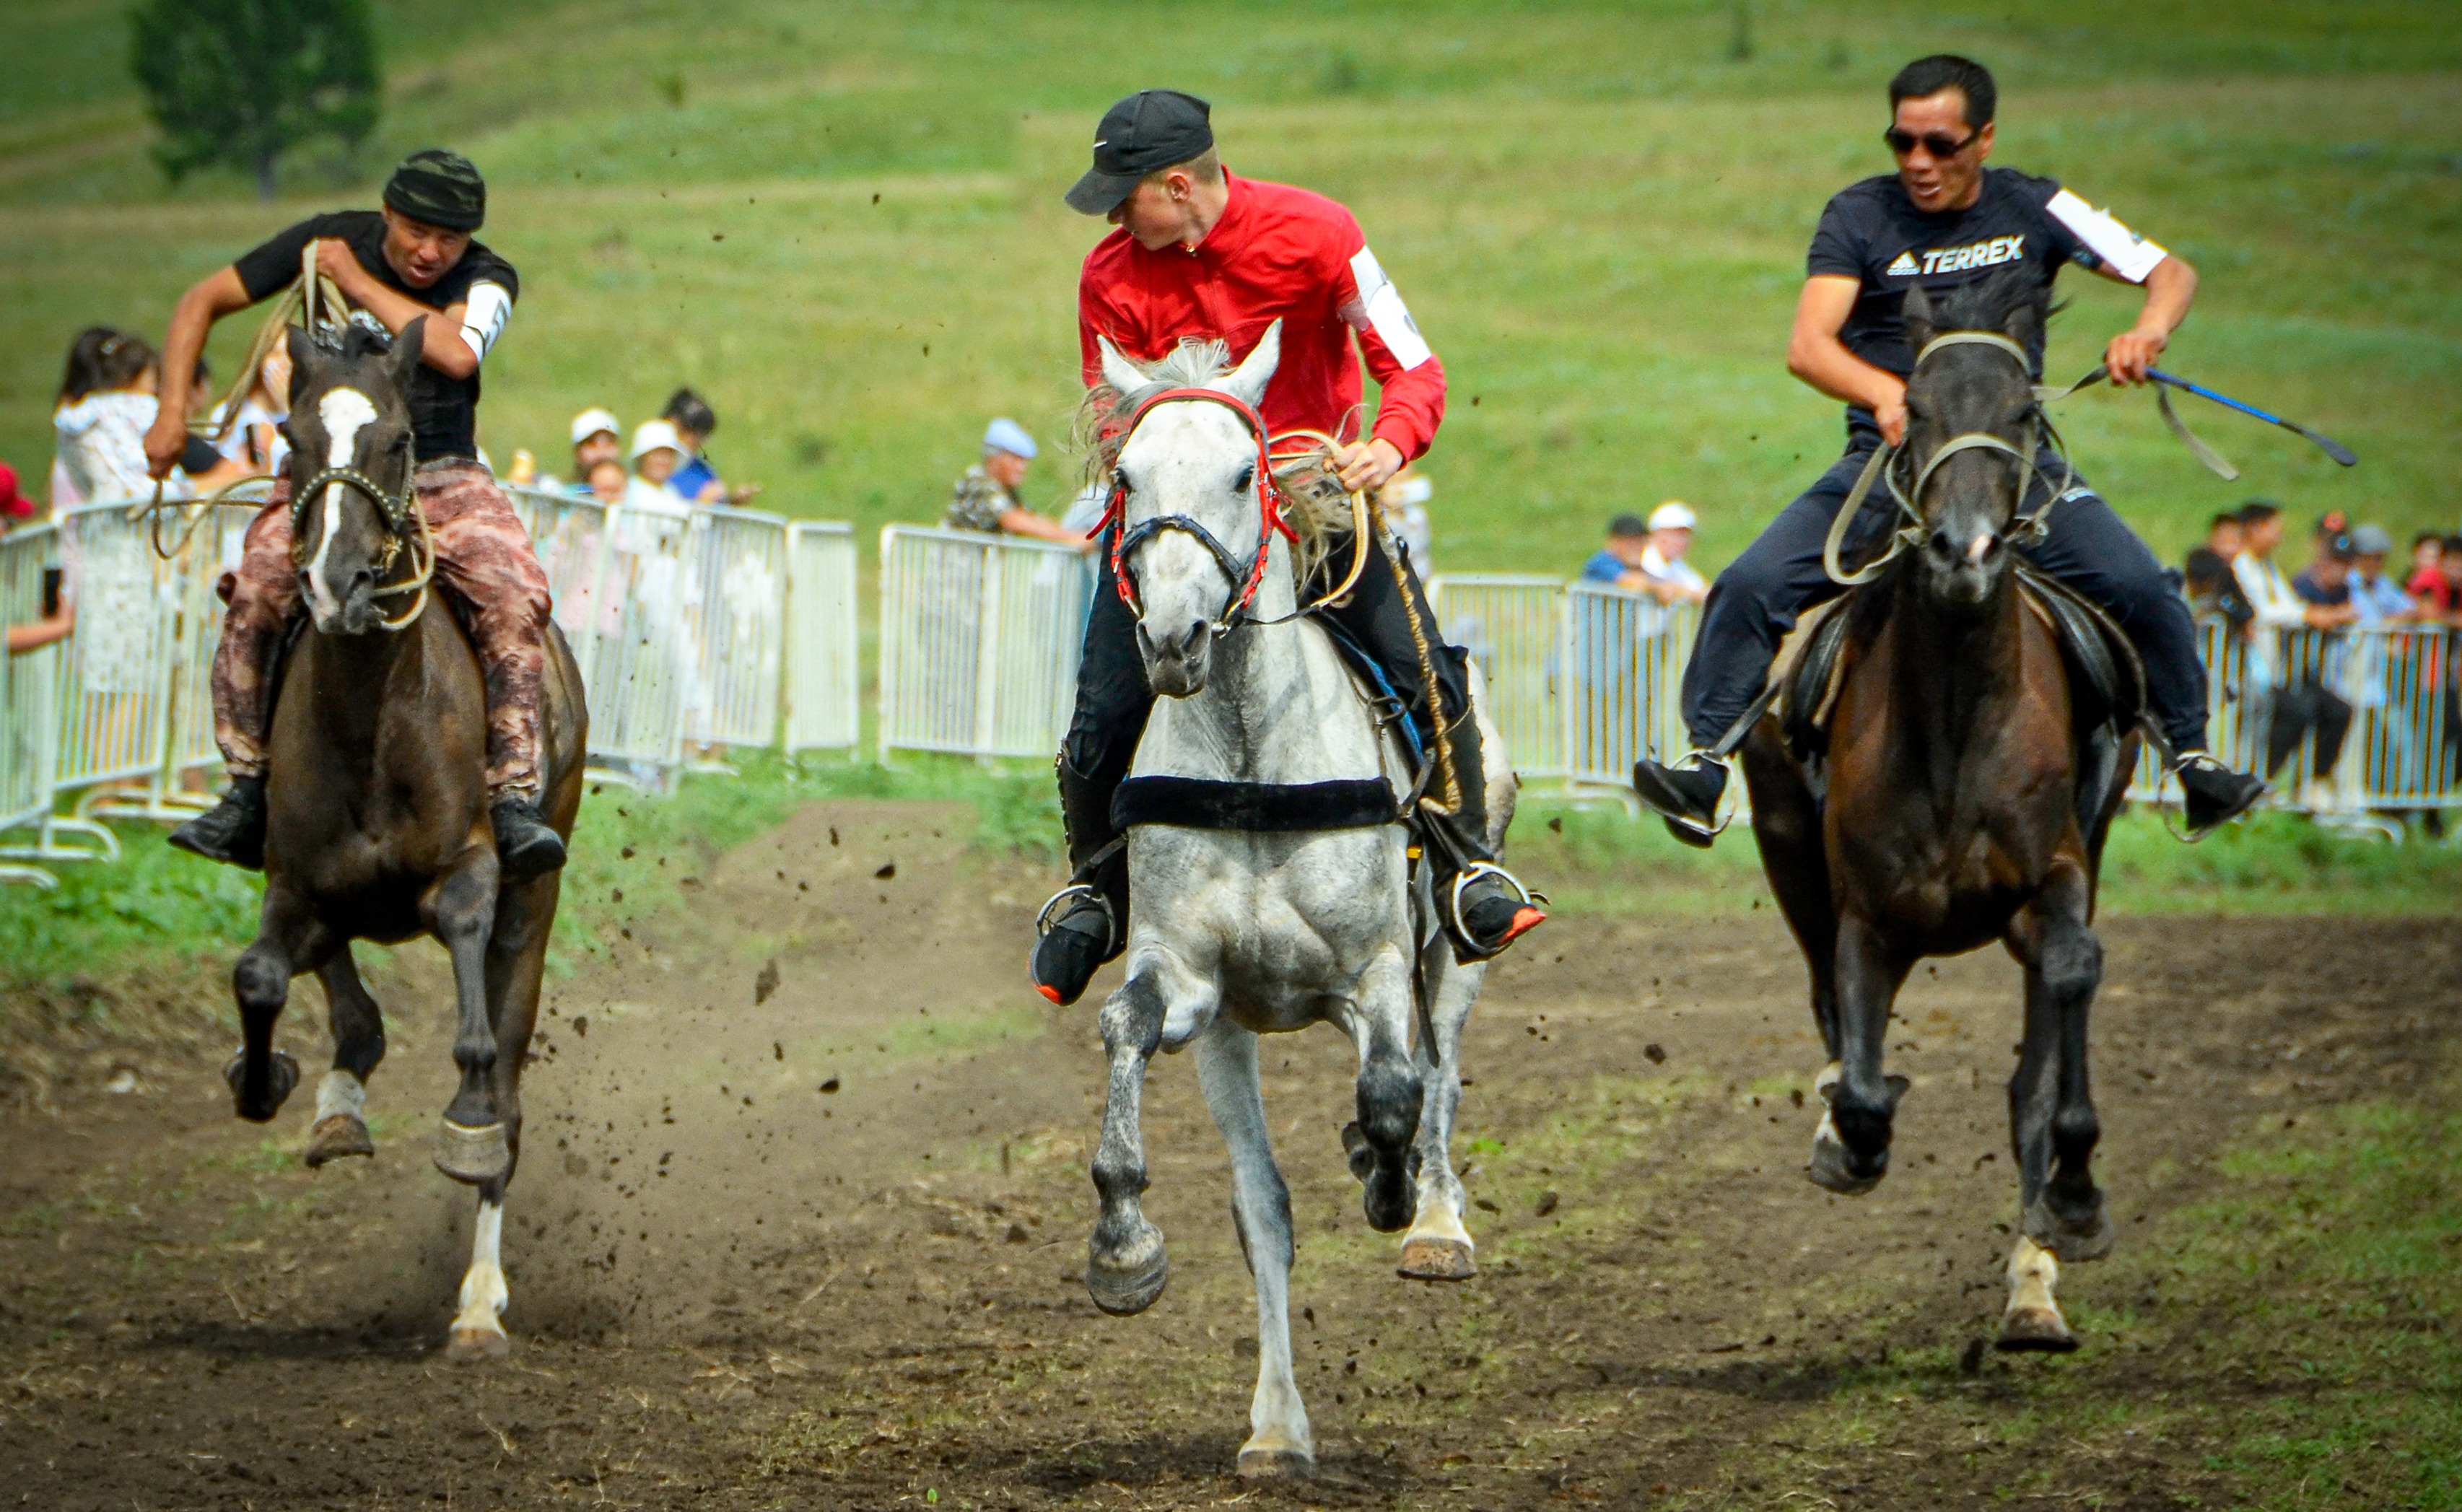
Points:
x=483, y=559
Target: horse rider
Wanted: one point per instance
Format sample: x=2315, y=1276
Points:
x=1943, y=220
x=1202, y=254
x=413, y=258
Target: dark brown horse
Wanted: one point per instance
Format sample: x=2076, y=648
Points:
x=1962, y=799
x=378, y=826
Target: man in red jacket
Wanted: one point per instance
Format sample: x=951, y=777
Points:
x=1202, y=254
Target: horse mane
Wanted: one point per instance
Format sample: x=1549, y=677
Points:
x=1320, y=506
x=1993, y=303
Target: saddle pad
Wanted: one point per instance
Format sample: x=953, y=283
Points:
x=2106, y=679
x=1203, y=803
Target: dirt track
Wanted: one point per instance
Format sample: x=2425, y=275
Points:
x=734, y=1287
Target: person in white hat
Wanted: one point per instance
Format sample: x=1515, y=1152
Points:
x=1670, y=578
x=986, y=499
x=597, y=437
x=658, y=451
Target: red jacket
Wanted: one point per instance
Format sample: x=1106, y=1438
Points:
x=1277, y=253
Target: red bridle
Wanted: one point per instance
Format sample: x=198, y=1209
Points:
x=1269, y=510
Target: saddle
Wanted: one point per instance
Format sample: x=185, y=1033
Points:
x=2107, y=680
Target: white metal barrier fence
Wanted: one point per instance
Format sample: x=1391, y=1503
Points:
x=979, y=641
x=1581, y=677
x=700, y=626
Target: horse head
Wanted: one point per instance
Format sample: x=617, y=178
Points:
x=353, y=518
x=1191, y=507
x=1972, y=428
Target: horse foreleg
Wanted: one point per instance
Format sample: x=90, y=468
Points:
x=1126, y=1264
x=1438, y=1247
x=1851, y=1151
x=460, y=912
x=1389, y=1088
x=1786, y=824
x=478, y=1328
x=1279, y=1441
x=288, y=941
x=358, y=1045
x=2053, y=1126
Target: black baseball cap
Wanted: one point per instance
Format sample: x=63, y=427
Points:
x=1152, y=128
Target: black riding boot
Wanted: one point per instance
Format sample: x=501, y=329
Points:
x=1483, y=907
x=1092, y=925
x=2212, y=792
x=1685, y=793
x=526, y=848
x=231, y=832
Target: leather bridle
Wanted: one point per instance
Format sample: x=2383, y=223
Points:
x=1246, y=578
x=1886, y=465
x=405, y=525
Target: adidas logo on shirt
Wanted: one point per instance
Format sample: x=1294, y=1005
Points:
x=1987, y=253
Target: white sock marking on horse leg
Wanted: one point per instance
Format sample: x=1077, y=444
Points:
x=344, y=412
x=2033, y=1273
x=341, y=1092
x=482, y=1286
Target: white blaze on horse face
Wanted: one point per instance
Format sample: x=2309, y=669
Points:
x=343, y=412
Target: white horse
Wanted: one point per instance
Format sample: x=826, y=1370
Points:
x=1242, y=932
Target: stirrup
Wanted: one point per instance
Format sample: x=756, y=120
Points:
x=1047, y=918
x=1704, y=756
x=2201, y=758
x=1461, y=930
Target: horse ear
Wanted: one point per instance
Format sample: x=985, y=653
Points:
x=1121, y=374
x=1916, y=314
x=1248, y=382
x=403, y=359
x=302, y=347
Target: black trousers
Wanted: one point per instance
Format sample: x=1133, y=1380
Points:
x=1755, y=601
x=2306, y=705
x=1113, y=697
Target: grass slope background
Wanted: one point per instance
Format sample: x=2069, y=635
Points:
x=843, y=224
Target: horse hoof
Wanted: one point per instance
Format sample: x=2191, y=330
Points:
x=2033, y=1331
x=337, y=1137
x=2071, y=1243
x=281, y=1076
x=1389, y=1202
x=1831, y=1169
x=1438, y=1260
x=1277, y=1465
x=1126, y=1281
x=1356, y=1149
x=474, y=1156
x=468, y=1346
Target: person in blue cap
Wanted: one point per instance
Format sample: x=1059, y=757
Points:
x=986, y=499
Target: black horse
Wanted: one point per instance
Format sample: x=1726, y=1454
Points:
x=1959, y=789
x=379, y=822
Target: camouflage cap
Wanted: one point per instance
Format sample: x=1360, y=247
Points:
x=440, y=188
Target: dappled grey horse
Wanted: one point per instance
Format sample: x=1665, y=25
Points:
x=1288, y=901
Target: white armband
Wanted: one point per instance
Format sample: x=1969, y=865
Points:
x=1381, y=304
x=2128, y=254
x=483, y=318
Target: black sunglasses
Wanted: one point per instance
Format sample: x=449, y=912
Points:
x=1938, y=144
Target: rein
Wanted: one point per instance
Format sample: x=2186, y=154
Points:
x=1883, y=467
x=1246, y=578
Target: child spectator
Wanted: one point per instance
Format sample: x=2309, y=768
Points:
x=596, y=437
x=106, y=405
x=2435, y=587
x=1646, y=556
x=607, y=481
x=2376, y=598
x=696, y=480
x=658, y=451
x=2206, y=576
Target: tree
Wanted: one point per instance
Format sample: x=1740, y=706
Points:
x=237, y=82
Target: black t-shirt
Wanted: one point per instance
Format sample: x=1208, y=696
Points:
x=444, y=410
x=1872, y=232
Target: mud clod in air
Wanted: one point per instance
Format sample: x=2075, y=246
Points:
x=887, y=871
x=1654, y=1055
x=830, y=1085
x=767, y=983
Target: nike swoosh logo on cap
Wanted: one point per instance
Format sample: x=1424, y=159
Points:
x=1100, y=142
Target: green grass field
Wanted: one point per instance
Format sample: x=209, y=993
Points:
x=843, y=225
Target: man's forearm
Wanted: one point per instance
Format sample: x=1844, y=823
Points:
x=1825, y=362
x=192, y=320
x=443, y=347
x=2171, y=289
